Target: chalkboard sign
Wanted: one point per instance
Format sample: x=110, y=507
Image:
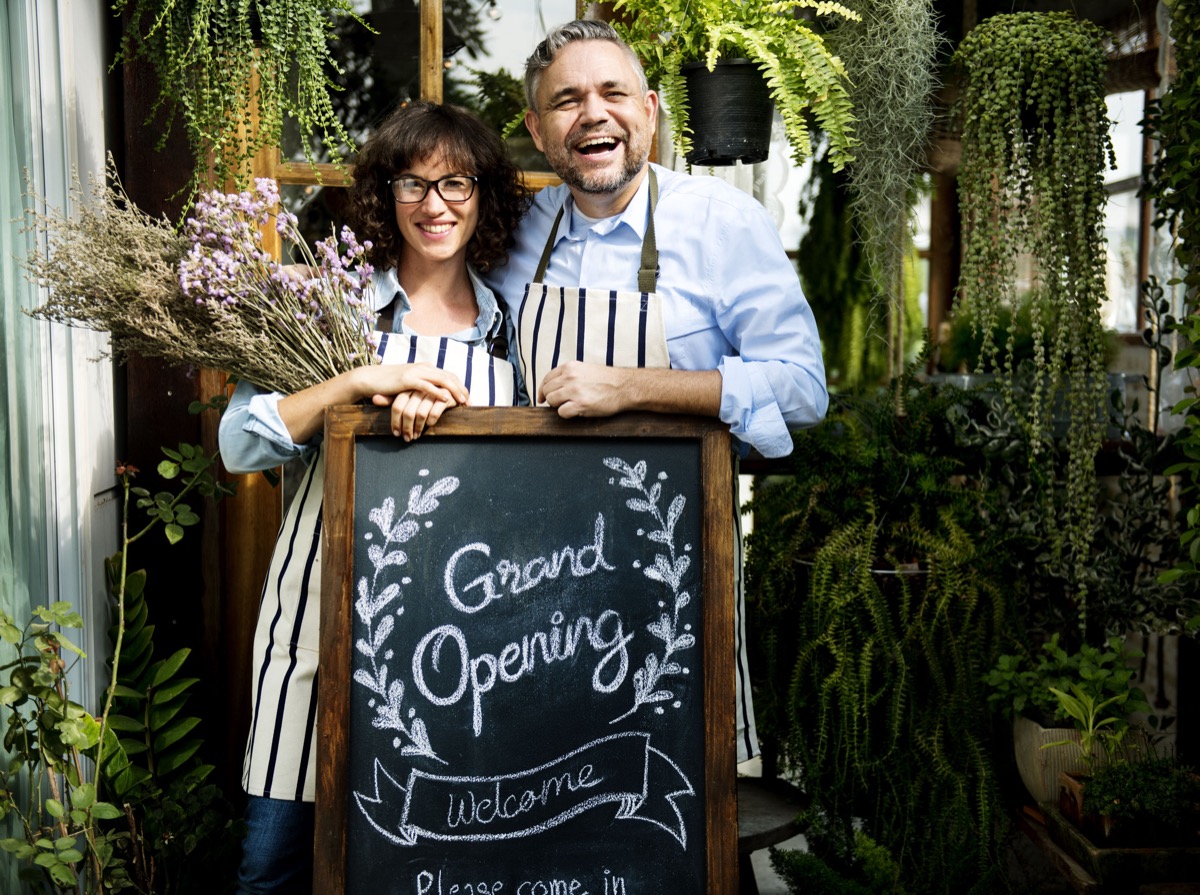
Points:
x=527, y=682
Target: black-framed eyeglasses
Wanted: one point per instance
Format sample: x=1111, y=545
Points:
x=453, y=188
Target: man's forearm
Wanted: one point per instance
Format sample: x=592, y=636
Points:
x=580, y=389
x=674, y=391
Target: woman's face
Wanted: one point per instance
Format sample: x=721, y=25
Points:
x=433, y=229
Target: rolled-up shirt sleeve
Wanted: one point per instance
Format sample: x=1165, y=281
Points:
x=773, y=382
x=252, y=435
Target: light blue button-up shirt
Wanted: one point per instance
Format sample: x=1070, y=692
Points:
x=731, y=298
x=253, y=436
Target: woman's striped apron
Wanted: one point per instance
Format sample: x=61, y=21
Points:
x=618, y=329
x=279, y=753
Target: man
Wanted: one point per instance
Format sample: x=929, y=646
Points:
x=638, y=288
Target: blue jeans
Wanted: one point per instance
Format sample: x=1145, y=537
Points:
x=277, y=852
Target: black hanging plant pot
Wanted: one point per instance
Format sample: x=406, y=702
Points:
x=730, y=112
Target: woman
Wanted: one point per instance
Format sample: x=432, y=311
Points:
x=423, y=183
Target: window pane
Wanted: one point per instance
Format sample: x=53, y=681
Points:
x=485, y=43
x=1126, y=110
x=319, y=209
x=485, y=66
x=1122, y=223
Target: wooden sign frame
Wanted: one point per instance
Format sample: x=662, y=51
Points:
x=346, y=427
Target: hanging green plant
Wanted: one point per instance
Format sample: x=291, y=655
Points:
x=803, y=75
x=891, y=56
x=840, y=284
x=206, y=55
x=1035, y=144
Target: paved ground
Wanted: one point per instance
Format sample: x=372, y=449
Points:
x=768, y=881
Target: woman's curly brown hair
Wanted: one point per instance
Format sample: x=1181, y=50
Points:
x=425, y=131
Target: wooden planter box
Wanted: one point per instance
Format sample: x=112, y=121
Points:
x=1122, y=867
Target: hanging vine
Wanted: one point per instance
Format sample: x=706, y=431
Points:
x=206, y=52
x=1035, y=144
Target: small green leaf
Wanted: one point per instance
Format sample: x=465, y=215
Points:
x=170, y=691
x=106, y=811
x=174, y=533
x=83, y=795
x=166, y=669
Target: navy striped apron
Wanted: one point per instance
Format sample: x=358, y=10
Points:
x=279, y=760
x=562, y=323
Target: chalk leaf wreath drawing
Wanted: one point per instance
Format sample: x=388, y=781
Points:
x=668, y=568
x=372, y=608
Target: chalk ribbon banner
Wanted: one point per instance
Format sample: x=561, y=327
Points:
x=622, y=769
x=615, y=798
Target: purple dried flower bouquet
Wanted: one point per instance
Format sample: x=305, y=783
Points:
x=213, y=296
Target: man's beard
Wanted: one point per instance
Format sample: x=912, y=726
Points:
x=566, y=165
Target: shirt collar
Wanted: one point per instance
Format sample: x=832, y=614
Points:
x=634, y=215
x=489, y=323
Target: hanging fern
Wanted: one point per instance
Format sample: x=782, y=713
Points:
x=1035, y=137
x=207, y=54
x=803, y=76
x=887, y=713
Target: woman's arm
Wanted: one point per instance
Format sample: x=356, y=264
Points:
x=418, y=394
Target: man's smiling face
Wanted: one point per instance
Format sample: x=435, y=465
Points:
x=594, y=124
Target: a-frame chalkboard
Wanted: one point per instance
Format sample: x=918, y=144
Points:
x=527, y=661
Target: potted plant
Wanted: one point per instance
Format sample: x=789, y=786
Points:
x=1154, y=802
x=1068, y=709
x=1035, y=143
x=119, y=798
x=1139, y=823
x=765, y=50
x=1175, y=191
x=891, y=55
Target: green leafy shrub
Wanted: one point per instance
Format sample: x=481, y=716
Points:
x=873, y=592
x=1153, y=802
x=147, y=819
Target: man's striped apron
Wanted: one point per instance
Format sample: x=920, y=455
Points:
x=557, y=324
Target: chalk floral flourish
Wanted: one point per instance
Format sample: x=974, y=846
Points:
x=372, y=608
x=668, y=568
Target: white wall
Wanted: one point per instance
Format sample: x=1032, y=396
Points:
x=66, y=70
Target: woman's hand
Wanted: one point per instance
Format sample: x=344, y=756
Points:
x=413, y=413
x=304, y=412
x=424, y=393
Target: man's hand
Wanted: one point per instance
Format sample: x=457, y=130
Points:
x=581, y=389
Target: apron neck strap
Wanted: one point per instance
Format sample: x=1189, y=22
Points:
x=647, y=274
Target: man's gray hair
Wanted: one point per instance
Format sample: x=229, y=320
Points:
x=559, y=37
